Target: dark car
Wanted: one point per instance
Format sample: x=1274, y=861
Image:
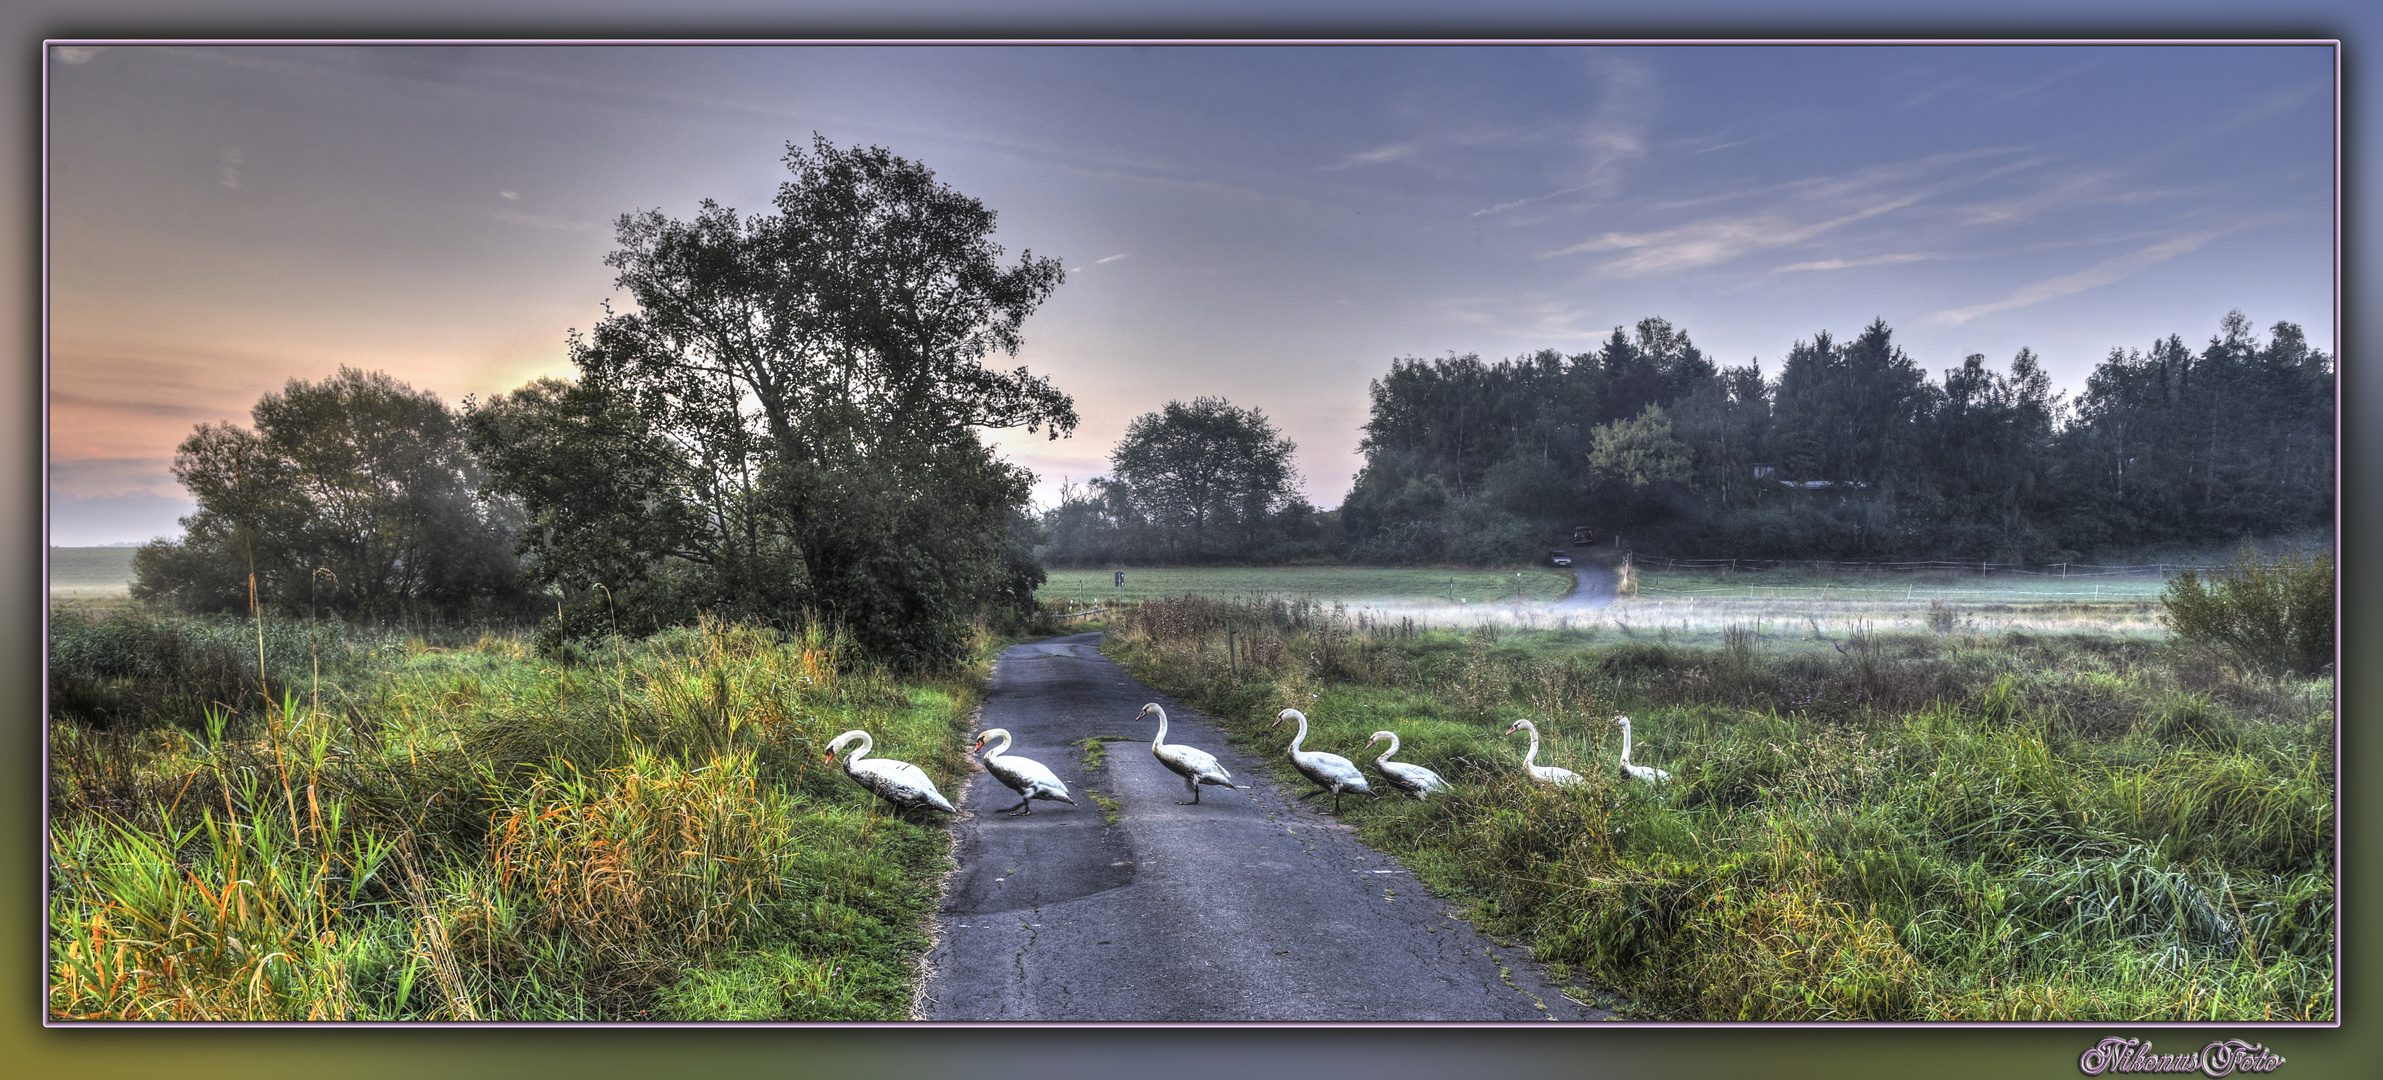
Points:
x=1559, y=558
x=1583, y=535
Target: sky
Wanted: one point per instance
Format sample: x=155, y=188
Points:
x=1270, y=224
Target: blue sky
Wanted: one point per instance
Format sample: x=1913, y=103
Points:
x=1273, y=225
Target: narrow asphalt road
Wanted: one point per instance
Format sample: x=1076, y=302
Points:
x=1249, y=906
x=1594, y=587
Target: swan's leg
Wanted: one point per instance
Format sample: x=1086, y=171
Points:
x=1194, y=785
x=1021, y=809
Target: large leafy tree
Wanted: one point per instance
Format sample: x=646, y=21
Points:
x=1209, y=476
x=354, y=494
x=796, y=399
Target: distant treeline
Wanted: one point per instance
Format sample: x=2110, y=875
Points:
x=1851, y=451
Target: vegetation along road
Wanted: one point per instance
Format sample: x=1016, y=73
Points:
x=1250, y=905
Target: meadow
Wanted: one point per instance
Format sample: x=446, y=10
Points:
x=95, y=573
x=1941, y=796
x=298, y=821
x=1693, y=605
x=1941, y=823
x=1354, y=585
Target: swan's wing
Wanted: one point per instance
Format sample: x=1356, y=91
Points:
x=901, y=772
x=1340, y=769
x=1413, y=776
x=1005, y=769
x=900, y=782
x=1197, y=762
x=1033, y=774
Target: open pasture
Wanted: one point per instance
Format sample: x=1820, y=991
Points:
x=90, y=571
x=1690, y=605
x=1451, y=591
x=1835, y=604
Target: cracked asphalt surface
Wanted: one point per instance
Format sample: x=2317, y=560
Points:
x=1250, y=906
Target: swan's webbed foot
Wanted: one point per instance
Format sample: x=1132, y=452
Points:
x=1313, y=794
x=1021, y=810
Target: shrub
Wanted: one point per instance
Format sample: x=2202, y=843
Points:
x=2274, y=616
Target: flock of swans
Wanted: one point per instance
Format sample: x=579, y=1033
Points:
x=907, y=787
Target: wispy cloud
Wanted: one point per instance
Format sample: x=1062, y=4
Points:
x=1380, y=155
x=1732, y=142
x=1113, y=258
x=2102, y=273
x=1848, y=264
x=1717, y=240
x=109, y=477
x=1793, y=212
x=1613, y=137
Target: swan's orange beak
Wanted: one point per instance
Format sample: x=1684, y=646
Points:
x=827, y=757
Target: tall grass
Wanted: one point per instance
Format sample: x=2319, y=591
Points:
x=1896, y=827
x=464, y=831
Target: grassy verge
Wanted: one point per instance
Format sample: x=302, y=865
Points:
x=412, y=830
x=1949, y=826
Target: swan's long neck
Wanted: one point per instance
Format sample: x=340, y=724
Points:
x=1159, y=739
x=1625, y=741
x=866, y=742
x=999, y=748
x=1386, y=753
x=1302, y=736
x=1533, y=754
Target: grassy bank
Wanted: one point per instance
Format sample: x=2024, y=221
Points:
x=410, y=829
x=1876, y=826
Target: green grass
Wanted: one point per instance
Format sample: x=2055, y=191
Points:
x=1683, y=606
x=468, y=831
x=1923, y=826
x=79, y=570
x=1354, y=585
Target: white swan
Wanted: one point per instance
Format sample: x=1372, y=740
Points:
x=898, y=782
x=1648, y=773
x=1029, y=778
x=1413, y=779
x=1547, y=773
x=1331, y=772
x=1196, y=767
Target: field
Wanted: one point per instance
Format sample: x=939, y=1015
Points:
x=1939, y=796
x=372, y=826
x=90, y=571
x=1357, y=586
x=2066, y=818
x=1703, y=603
x=1694, y=606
